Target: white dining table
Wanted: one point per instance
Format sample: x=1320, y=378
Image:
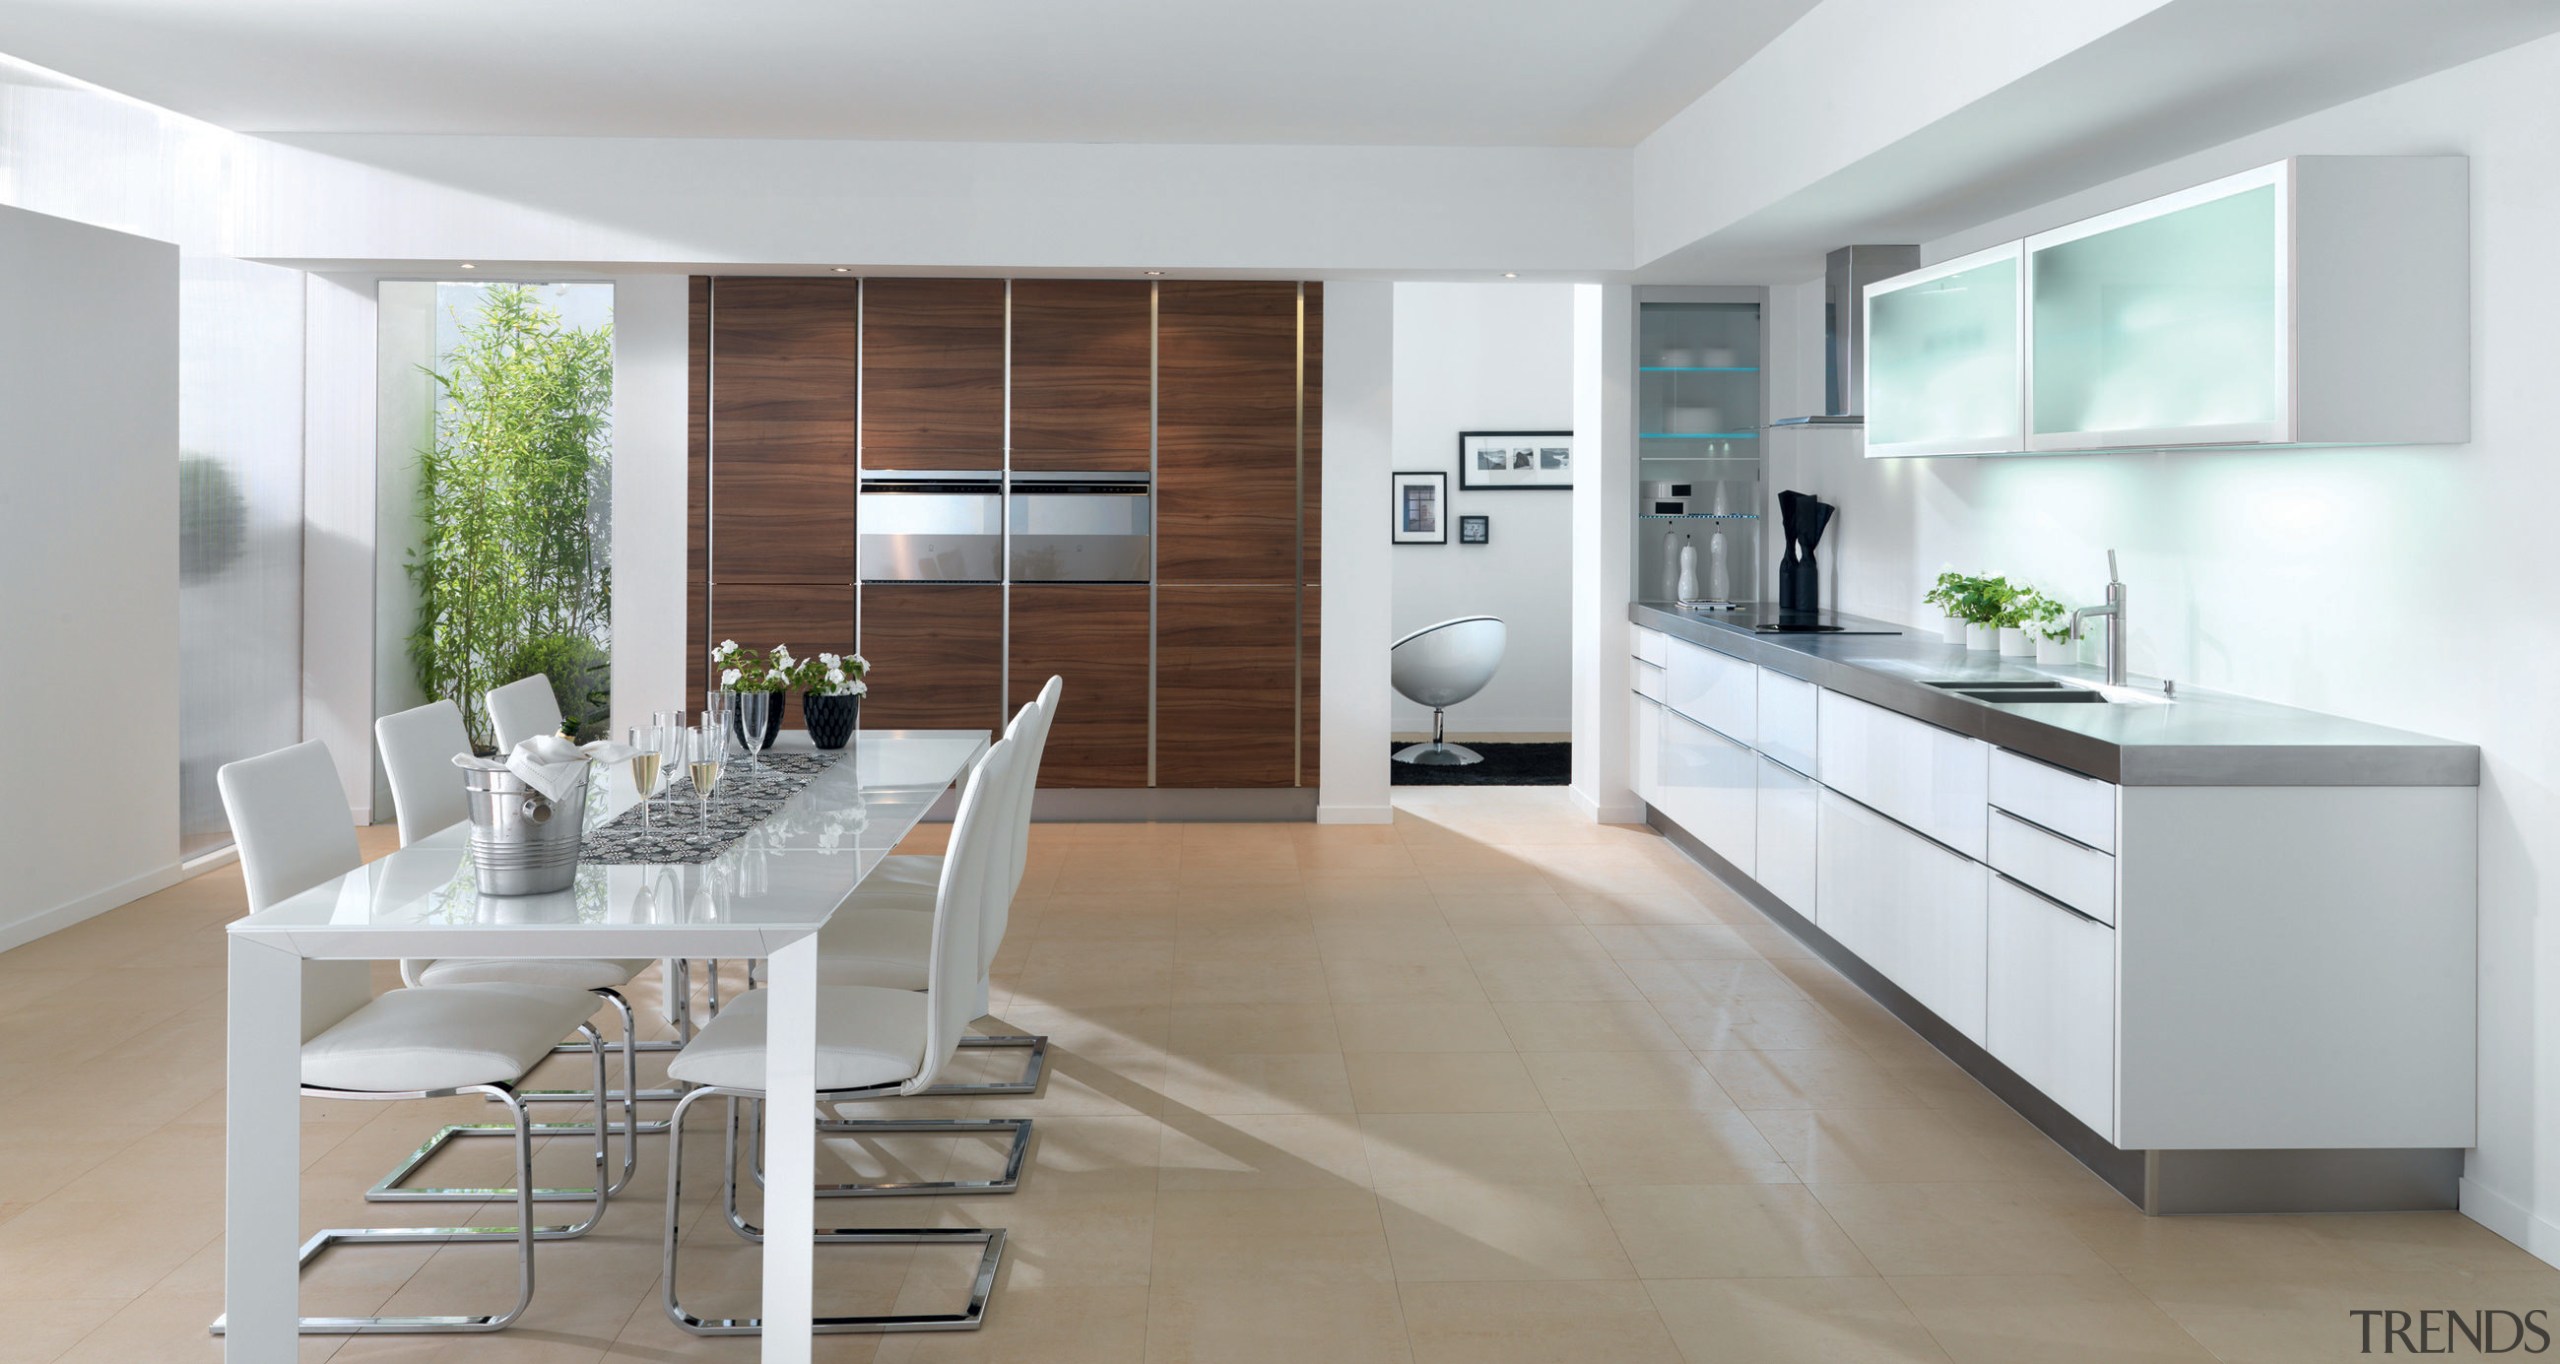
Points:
x=765, y=897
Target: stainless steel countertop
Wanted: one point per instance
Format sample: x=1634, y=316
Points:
x=2200, y=739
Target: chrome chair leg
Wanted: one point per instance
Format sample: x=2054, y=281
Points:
x=1005, y=1183
x=388, y=1189
x=982, y=1282
x=524, y=1233
x=1033, y=1067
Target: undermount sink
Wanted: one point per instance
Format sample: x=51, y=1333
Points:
x=2046, y=692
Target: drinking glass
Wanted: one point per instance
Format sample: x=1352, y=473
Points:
x=753, y=709
x=720, y=708
x=671, y=729
x=706, y=754
x=646, y=761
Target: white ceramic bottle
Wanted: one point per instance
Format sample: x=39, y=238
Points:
x=1719, y=572
x=1688, y=571
x=1671, y=562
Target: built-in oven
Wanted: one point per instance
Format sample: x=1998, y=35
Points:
x=931, y=527
x=1079, y=528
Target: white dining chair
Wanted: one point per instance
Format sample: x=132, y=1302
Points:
x=289, y=820
x=523, y=709
x=872, y=1042
x=427, y=796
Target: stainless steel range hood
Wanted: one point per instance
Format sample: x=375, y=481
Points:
x=1845, y=275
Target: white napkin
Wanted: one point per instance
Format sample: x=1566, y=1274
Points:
x=548, y=763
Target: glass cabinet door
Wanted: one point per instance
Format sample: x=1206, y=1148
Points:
x=2163, y=324
x=1942, y=358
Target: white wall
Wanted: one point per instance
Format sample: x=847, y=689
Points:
x=2409, y=587
x=1489, y=357
x=89, y=553
x=1359, y=446
x=1604, y=492
x=649, y=356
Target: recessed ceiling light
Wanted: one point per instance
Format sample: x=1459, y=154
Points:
x=1511, y=274
x=469, y=266
x=844, y=269
x=1155, y=272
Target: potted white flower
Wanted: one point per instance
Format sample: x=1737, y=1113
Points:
x=758, y=685
x=832, y=688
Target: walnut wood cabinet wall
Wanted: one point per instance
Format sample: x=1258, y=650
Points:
x=1205, y=677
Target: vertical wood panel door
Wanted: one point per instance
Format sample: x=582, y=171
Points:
x=1227, y=432
x=937, y=651
x=783, y=384
x=1311, y=458
x=933, y=373
x=1092, y=636
x=697, y=489
x=1083, y=375
x=813, y=618
x=1226, y=686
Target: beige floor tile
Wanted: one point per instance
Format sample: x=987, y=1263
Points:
x=1249, y=980
x=60, y=1249
x=1828, y=1078
x=1400, y=982
x=1605, y=1025
x=1441, y=1082
x=1047, y=1325
x=1654, y=1081
x=1668, y=905
x=1729, y=1231
x=1507, y=910
x=1261, y=1151
x=1244, y=1322
x=1259, y=1082
x=1357, y=861
x=1957, y=1229
x=1793, y=1321
x=1538, y=942
x=1561, y=1322
x=2427, y=1242
x=2032, y=1318
x=1224, y=1027
x=1348, y=938
x=1332, y=1237
x=1282, y=938
x=1445, y=1025
x=1492, y=1148
x=1565, y=979
x=1750, y=1024
x=2259, y=1246
x=1379, y=898
x=1891, y=1146
x=1672, y=1148
x=1470, y=1231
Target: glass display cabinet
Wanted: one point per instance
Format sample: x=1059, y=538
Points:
x=1942, y=358
x=1700, y=396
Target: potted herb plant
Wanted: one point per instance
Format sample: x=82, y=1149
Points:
x=2051, y=626
x=759, y=684
x=2022, y=622
x=832, y=687
x=1947, y=594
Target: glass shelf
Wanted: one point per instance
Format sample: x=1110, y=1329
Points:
x=1699, y=369
x=1697, y=516
x=1697, y=435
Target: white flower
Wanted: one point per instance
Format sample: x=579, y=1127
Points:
x=835, y=677
x=833, y=661
x=856, y=689
x=728, y=649
x=729, y=677
x=783, y=652
x=777, y=675
x=858, y=661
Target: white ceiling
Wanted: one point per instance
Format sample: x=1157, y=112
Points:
x=1386, y=72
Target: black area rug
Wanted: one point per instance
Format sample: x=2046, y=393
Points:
x=1503, y=765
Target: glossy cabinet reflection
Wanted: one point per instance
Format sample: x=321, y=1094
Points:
x=1943, y=358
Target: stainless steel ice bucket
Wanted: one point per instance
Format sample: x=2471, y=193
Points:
x=522, y=841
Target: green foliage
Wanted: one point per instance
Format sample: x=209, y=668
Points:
x=748, y=671
x=2037, y=612
x=1974, y=600
x=213, y=519
x=832, y=675
x=514, y=572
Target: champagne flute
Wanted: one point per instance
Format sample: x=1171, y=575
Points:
x=710, y=751
x=645, y=761
x=754, y=707
x=671, y=729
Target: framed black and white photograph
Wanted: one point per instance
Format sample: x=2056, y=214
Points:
x=1515, y=459
x=1475, y=530
x=1422, y=508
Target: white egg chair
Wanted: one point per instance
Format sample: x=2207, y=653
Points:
x=1439, y=666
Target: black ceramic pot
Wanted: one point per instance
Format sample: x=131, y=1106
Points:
x=1799, y=585
x=831, y=718
x=772, y=720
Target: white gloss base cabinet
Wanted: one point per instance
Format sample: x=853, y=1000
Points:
x=1934, y=780
x=1910, y=908
x=1711, y=786
x=1644, y=765
x=1716, y=690
x=1789, y=865
x=2051, y=1001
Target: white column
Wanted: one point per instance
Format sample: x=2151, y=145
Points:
x=338, y=529
x=262, y=1154
x=649, y=358
x=1358, y=607
x=791, y=1134
x=1603, y=516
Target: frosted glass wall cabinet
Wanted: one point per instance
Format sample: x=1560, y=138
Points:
x=1700, y=393
x=2322, y=300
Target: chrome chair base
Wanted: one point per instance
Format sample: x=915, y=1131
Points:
x=1438, y=754
x=1005, y=1183
x=982, y=1284
x=388, y=1188
x=1032, y=1069
x=525, y=1234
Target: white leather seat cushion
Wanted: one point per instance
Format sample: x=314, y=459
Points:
x=892, y=949
x=571, y=973
x=444, y=1038
x=906, y=869
x=866, y=1037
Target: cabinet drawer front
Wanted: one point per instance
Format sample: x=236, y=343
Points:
x=1711, y=787
x=1652, y=646
x=1648, y=680
x=2082, y=878
x=2074, y=806
x=1716, y=690
x=1789, y=814
x=1910, y=908
x=1788, y=709
x=1920, y=774
x=2052, y=1003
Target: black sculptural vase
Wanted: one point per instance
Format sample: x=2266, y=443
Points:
x=832, y=719
x=1799, y=585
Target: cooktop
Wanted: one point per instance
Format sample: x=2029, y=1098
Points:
x=1766, y=619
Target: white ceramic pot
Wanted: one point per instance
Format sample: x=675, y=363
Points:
x=2015, y=643
x=1983, y=637
x=2052, y=652
x=1955, y=628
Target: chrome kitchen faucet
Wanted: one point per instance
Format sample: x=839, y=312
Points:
x=2114, y=612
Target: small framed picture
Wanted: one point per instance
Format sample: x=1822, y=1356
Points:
x=1515, y=459
x=1422, y=508
x=1475, y=530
